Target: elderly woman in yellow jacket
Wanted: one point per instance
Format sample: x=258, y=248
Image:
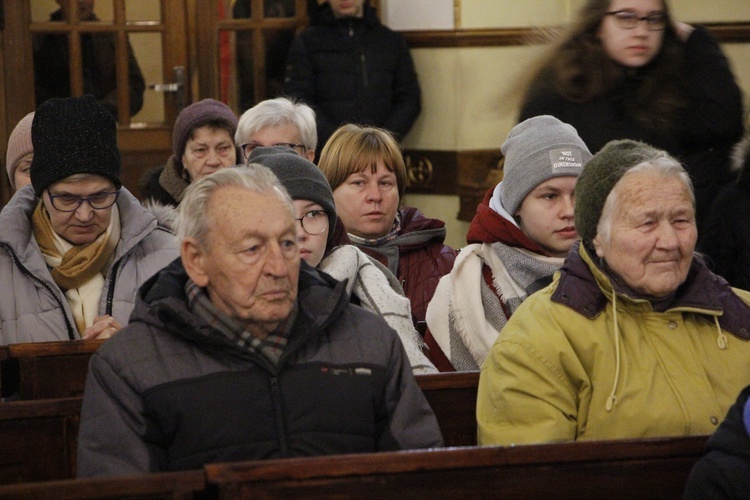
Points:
x=635, y=337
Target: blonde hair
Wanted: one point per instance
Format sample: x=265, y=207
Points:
x=353, y=148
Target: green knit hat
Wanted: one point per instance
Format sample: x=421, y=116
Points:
x=599, y=177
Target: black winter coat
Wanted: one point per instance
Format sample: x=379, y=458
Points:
x=353, y=71
x=724, y=472
x=725, y=239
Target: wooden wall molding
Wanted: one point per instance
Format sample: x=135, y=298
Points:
x=468, y=174
x=735, y=32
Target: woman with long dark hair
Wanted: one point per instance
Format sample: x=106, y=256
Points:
x=626, y=69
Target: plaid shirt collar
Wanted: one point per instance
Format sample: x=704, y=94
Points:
x=270, y=348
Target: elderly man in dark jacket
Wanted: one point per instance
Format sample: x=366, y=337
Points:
x=235, y=352
x=351, y=69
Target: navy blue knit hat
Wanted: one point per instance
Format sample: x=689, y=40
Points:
x=73, y=135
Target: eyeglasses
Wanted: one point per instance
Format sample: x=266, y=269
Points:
x=70, y=203
x=248, y=148
x=627, y=19
x=314, y=222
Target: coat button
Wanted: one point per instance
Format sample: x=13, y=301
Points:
x=714, y=420
x=672, y=325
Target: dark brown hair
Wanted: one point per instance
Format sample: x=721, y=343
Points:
x=579, y=69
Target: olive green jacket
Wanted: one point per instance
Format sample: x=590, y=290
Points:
x=577, y=361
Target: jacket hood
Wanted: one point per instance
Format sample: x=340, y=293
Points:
x=162, y=303
x=586, y=289
x=488, y=226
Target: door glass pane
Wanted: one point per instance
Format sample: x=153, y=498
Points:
x=147, y=48
x=244, y=75
x=277, y=46
x=278, y=8
x=41, y=10
x=271, y=8
x=96, y=10
x=143, y=10
x=88, y=10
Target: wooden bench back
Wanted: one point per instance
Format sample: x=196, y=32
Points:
x=45, y=370
x=625, y=469
x=167, y=485
x=654, y=468
x=453, y=398
x=38, y=439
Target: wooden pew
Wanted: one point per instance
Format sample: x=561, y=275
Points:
x=38, y=439
x=167, y=485
x=453, y=398
x=654, y=468
x=41, y=370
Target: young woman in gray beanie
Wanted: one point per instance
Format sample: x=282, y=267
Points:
x=518, y=238
x=202, y=143
x=369, y=283
x=75, y=245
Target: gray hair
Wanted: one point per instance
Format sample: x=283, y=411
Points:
x=279, y=112
x=660, y=163
x=193, y=219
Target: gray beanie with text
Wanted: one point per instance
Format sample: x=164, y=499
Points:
x=536, y=150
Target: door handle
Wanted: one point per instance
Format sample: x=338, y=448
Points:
x=177, y=87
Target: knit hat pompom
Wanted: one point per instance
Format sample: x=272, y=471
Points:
x=302, y=179
x=599, y=177
x=196, y=115
x=19, y=145
x=537, y=150
x=73, y=135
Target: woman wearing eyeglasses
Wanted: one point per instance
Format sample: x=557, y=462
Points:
x=75, y=245
x=627, y=70
x=370, y=284
x=202, y=143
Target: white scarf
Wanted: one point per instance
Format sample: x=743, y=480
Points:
x=371, y=286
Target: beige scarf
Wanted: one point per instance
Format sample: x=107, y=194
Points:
x=78, y=270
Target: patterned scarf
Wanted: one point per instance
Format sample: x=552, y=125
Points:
x=466, y=315
x=395, y=231
x=270, y=348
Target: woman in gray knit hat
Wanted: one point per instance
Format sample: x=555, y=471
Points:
x=202, y=143
x=635, y=337
x=369, y=283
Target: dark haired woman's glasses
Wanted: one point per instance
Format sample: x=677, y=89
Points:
x=314, y=222
x=70, y=203
x=627, y=19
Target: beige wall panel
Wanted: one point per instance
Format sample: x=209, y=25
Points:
x=477, y=14
x=487, y=78
x=436, y=127
x=446, y=209
x=710, y=11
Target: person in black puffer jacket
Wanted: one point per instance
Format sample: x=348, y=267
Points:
x=724, y=472
x=351, y=69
